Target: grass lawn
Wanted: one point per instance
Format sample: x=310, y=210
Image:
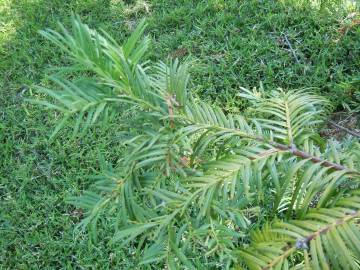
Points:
x=231, y=43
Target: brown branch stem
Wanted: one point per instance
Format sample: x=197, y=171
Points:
x=327, y=228
x=292, y=149
x=304, y=155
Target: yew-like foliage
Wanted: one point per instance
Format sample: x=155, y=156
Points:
x=198, y=188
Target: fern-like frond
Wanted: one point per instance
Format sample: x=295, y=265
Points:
x=230, y=177
x=286, y=114
x=83, y=99
x=327, y=238
x=172, y=79
x=121, y=76
x=156, y=148
x=100, y=54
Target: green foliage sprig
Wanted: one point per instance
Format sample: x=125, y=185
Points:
x=201, y=189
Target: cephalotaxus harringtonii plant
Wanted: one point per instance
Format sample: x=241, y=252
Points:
x=198, y=188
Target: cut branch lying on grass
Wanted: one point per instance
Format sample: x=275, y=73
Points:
x=291, y=49
x=171, y=211
x=351, y=132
